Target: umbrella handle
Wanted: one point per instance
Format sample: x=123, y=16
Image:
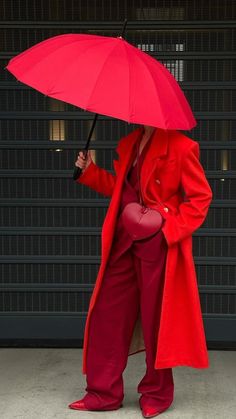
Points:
x=78, y=170
x=77, y=173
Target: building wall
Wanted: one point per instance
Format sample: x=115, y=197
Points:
x=50, y=226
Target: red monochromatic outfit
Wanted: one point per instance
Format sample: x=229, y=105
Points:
x=132, y=286
x=173, y=182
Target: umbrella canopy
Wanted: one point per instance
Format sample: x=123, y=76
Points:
x=105, y=75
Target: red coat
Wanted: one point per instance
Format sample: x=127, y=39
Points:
x=170, y=168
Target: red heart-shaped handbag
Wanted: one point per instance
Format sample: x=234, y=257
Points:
x=140, y=221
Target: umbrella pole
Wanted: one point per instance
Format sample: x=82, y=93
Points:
x=78, y=170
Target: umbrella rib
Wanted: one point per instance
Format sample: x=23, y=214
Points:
x=129, y=80
x=91, y=93
x=175, y=93
x=76, y=58
x=60, y=74
x=38, y=46
x=151, y=76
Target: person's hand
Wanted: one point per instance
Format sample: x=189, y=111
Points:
x=83, y=162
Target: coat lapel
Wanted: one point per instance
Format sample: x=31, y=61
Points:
x=155, y=156
x=158, y=146
x=157, y=149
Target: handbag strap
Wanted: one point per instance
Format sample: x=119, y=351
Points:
x=141, y=201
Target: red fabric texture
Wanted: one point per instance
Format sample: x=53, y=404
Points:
x=133, y=281
x=174, y=182
x=105, y=75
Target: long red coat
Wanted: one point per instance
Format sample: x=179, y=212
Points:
x=173, y=181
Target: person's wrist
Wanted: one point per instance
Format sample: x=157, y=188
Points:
x=86, y=167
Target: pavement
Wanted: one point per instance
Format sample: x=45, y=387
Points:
x=39, y=383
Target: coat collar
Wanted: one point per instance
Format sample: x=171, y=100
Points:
x=158, y=147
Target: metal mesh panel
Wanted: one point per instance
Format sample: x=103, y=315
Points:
x=50, y=226
x=218, y=303
x=45, y=214
x=158, y=41
x=48, y=273
x=100, y=10
x=208, y=129
x=215, y=246
x=49, y=245
x=36, y=301
x=202, y=100
x=216, y=275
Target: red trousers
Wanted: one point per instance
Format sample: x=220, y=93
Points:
x=133, y=280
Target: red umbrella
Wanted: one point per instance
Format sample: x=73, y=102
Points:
x=106, y=75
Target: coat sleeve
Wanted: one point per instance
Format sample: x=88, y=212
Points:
x=98, y=179
x=198, y=196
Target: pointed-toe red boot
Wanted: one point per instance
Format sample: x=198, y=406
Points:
x=149, y=412
x=78, y=404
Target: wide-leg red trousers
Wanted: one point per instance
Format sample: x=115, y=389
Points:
x=133, y=281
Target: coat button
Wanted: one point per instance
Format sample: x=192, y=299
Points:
x=158, y=181
x=166, y=209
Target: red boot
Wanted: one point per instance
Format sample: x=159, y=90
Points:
x=149, y=412
x=78, y=404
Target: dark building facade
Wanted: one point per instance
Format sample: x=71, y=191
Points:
x=50, y=226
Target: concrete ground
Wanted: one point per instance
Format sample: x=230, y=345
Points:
x=40, y=383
